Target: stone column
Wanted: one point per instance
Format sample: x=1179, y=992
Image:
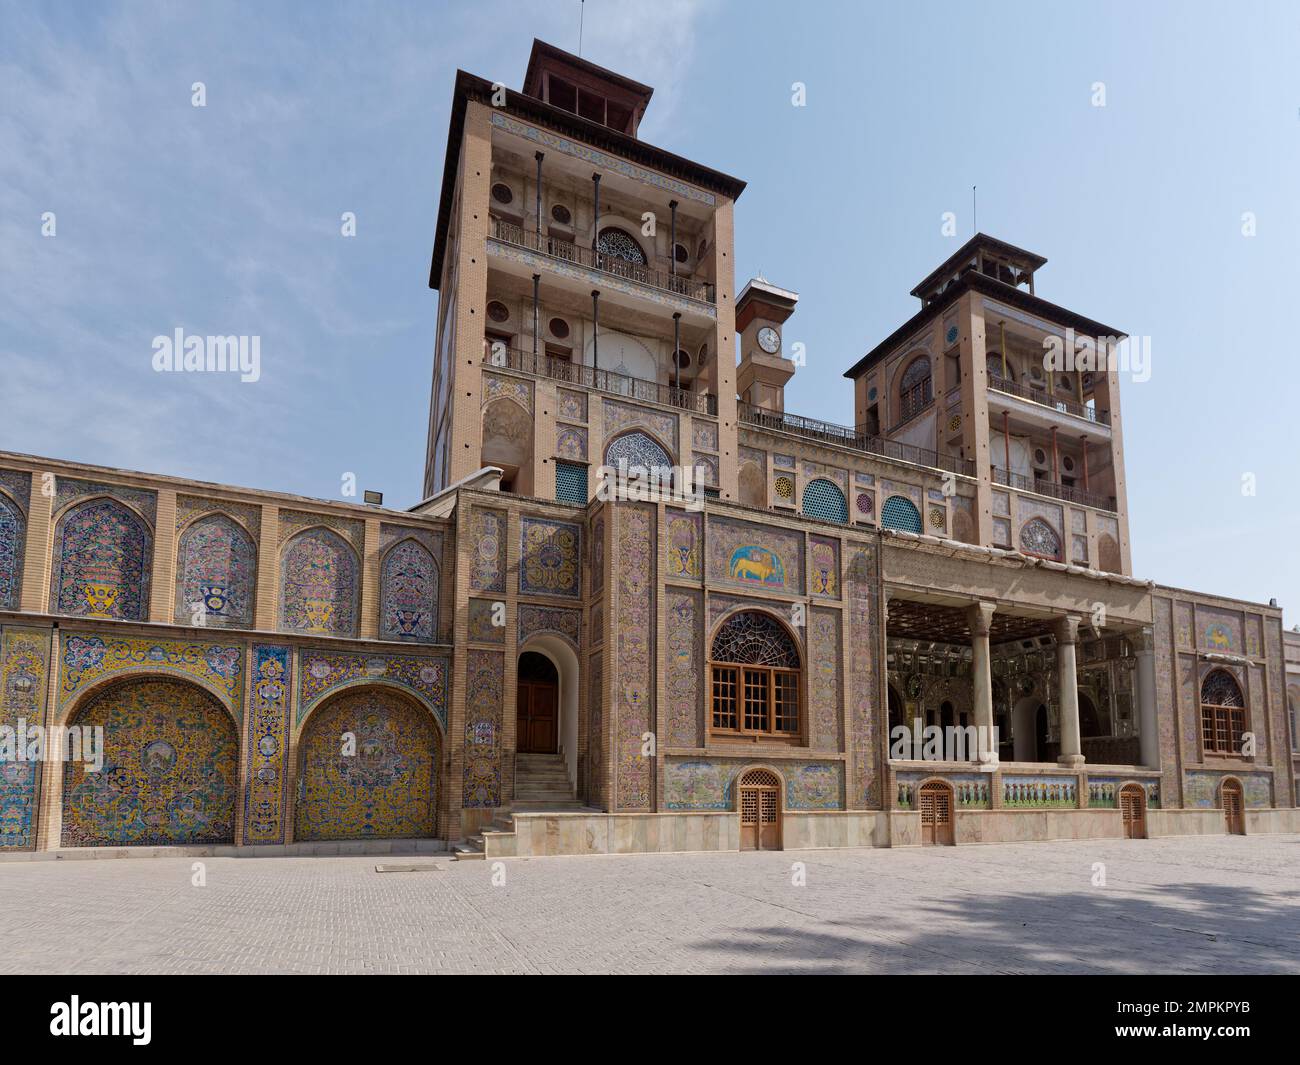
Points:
x=1148, y=718
x=1067, y=631
x=980, y=619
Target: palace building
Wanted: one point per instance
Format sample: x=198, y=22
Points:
x=537, y=660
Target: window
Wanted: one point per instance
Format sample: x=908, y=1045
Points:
x=755, y=678
x=900, y=513
x=1039, y=539
x=994, y=363
x=616, y=244
x=822, y=499
x=1223, y=714
x=502, y=194
x=570, y=482
x=561, y=214
x=915, y=388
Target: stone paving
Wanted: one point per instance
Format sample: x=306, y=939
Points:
x=1198, y=905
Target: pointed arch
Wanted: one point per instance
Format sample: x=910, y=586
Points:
x=1039, y=539
x=100, y=568
x=410, y=583
x=13, y=532
x=216, y=569
x=319, y=583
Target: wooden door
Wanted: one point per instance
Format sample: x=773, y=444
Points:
x=1132, y=808
x=538, y=727
x=935, y=801
x=1232, y=812
x=759, y=799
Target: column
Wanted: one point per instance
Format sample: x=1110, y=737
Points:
x=1148, y=722
x=1067, y=631
x=979, y=617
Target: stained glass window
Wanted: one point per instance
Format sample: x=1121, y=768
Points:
x=915, y=374
x=618, y=245
x=753, y=638
x=755, y=677
x=1223, y=713
x=1039, y=538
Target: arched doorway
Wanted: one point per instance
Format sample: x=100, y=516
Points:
x=1133, y=811
x=170, y=772
x=538, y=705
x=758, y=798
x=1233, y=815
x=367, y=769
x=935, y=803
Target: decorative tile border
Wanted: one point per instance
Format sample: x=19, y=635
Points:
x=323, y=673
x=266, y=796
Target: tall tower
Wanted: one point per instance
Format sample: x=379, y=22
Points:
x=581, y=272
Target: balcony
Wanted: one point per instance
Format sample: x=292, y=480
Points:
x=914, y=401
x=825, y=432
x=530, y=240
x=1068, y=493
x=1038, y=395
x=616, y=384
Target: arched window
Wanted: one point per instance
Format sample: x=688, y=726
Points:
x=994, y=363
x=616, y=244
x=640, y=456
x=822, y=499
x=900, y=513
x=1040, y=539
x=915, y=388
x=1223, y=713
x=755, y=677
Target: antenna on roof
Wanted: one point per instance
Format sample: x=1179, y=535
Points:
x=974, y=212
x=582, y=10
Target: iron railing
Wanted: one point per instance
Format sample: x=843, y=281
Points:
x=1066, y=492
x=599, y=260
x=826, y=432
x=617, y=384
x=1035, y=394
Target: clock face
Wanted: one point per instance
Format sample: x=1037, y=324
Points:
x=769, y=340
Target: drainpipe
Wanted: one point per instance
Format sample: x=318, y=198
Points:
x=595, y=335
x=672, y=244
x=537, y=280
x=539, y=157
x=677, y=347
x=595, y=211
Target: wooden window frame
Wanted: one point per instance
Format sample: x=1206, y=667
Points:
x=731, y=677
x=1222, y=727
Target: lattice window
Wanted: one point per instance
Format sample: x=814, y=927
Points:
x=641, y=456
x=822, y=499
x=618, y=245
x=755, y=677
x=760, y=778
x=994, y=363
x=900, y=513
x=1039, y=538
x=570, y=482
x=915, y=389
x=1223, y=713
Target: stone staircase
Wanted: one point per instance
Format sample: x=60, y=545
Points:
x=541, y=786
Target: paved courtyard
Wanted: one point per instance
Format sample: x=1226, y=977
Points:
x=1211, y=905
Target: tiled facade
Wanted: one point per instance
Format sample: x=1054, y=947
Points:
x=270, y=669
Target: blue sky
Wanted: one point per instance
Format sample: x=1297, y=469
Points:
x=225, y=219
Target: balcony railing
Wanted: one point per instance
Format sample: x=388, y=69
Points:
x=616, y=384
x=1035, y=394
x=598, y=260
x=825, y=432
x=1050, y=488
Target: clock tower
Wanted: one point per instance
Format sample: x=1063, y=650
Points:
x=766, y=363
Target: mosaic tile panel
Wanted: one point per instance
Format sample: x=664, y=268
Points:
x=634, y=688
x=70, y=489
x=1201, y=789
x=1219, y=630
x=101, y=562
x=684, y=535
x=823, y=662
x=860, y=597
x=482, y=627
x=709, y=784
x=408, y=599
x=367, y=769
x=757, y=457
x=216, y=574
x=706, y=469
x=87, y=659
x=170, y=772
x=597, y=624
x=685, y=668
x=13, y=533
x=267, y=793
x=535, y=620
x=484, y=725
x=969, y=790
x=352, y=530
x=720, y=605
x=1040, y=792
x=24, y=666
x=573, y=405
x=497, y=387
x=757, y=556
x=620, y=416
x=570, y=442
x=824, y=569
x=832, y=473
x=319, y=584
x=785, y=462
x=487, y=543
x=550, y=557
x=190, y=507
x=325, y=672
x=704, y=435
x=17, y=484
x=596, y=737
x=598, y=557
x=1103, y=792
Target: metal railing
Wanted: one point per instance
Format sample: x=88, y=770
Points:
x=598, y=260
x=1035, y=394
x=826, y=432
x=499, y=355
x=1066, y=492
